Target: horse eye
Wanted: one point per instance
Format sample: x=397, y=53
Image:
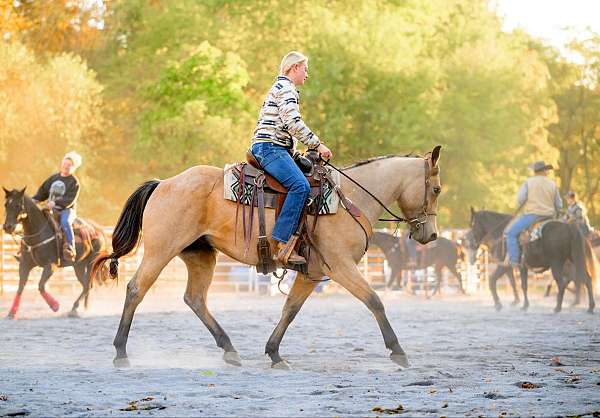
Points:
x=437, y=190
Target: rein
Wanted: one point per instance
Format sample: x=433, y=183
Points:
x=29, y=247
x=416, y=221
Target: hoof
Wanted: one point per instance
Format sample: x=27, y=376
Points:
x=590, y=310
x=498, y=307
x=515, y=302
x=400, y=359
x=557, y=309
x=121, y=362
x=73, y=314
x=281, y=365
x=233, y=358
x=11, y=316
x=525, y=308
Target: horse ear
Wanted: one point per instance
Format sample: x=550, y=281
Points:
x=22, y=191
x=435, y=155
x=472, y=211
x=6, y=191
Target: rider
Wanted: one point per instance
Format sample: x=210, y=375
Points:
x=577, y=214
x=61, y=191
x=278, y=129
x=540, y=198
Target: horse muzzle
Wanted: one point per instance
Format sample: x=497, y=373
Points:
x=427, y=232
x=9, y=228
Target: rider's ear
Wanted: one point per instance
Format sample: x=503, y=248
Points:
x=435, y=155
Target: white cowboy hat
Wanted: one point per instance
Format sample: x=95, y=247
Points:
x=76, y=158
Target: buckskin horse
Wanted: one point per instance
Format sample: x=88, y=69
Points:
x=445, y=253
x=186, y=216
x=559, y=243
x=39, y=247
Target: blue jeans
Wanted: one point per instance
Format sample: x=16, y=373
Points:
x=278, y=162
x=512, y=235
x=67, y=216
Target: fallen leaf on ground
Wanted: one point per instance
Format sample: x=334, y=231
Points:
x=207, y=373
x=555, y=361
x=147, y=398
x=528, y=385
x=389, y=411
x=3, y=398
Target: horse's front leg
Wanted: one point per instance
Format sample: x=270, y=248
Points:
x=352, y=280
x=300, y=291
x=25, y=266
x=46, y=274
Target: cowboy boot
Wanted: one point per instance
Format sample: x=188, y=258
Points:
x=68, y=252
x=287, y=254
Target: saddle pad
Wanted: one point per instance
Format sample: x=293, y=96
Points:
x=231, y=190
x=536, y=229
x=84, y=231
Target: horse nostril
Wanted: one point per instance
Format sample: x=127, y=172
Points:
x=433, y=236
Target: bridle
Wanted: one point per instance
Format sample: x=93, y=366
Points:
x=20, y=217
x=416, y=222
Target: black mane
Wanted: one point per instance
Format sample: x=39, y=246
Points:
x=381, y=157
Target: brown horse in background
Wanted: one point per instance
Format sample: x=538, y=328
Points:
x=187, y=216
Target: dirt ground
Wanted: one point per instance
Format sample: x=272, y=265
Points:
x=466, y=359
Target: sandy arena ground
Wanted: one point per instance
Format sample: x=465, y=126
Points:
x=467, y=360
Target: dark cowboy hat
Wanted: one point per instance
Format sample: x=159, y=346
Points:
x=541, y=166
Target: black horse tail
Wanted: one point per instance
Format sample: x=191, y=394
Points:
x=580, y=256
x=126, y=234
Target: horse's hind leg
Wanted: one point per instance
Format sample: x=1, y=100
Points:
x=524, y=285
x=513, y=285
x=201, y=265
x=438, y=281
x=300, y=291
x=142, y=280
x=493, y=284
x=83, y=278
x=590, y=292
x=562, y=282
x=458, y=276
x=46, y=274
x=352, y=280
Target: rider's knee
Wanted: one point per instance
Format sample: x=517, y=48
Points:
x=301, y=186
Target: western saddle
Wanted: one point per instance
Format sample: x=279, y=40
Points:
x=266, y=191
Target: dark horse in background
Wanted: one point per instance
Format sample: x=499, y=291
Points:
x=559, y=243
x=439, y=254
x=40, y=247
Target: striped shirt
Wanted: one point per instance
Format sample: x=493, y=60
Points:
x=279, y=119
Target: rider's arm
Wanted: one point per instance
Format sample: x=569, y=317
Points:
x=68, y=199
x=43, y=191
x=289, y=111
x=522, y=195
x=557, y=202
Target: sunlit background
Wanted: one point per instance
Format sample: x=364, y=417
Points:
x=146, y=89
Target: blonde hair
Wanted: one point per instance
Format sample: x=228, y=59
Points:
x=290, y=59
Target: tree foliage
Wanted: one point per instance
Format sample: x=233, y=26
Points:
x=180, y=82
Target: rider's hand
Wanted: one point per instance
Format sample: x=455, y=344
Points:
x=51, y=204
x=324, y=152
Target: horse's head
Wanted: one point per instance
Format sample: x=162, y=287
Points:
x=14, y=207
x=419, y=200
